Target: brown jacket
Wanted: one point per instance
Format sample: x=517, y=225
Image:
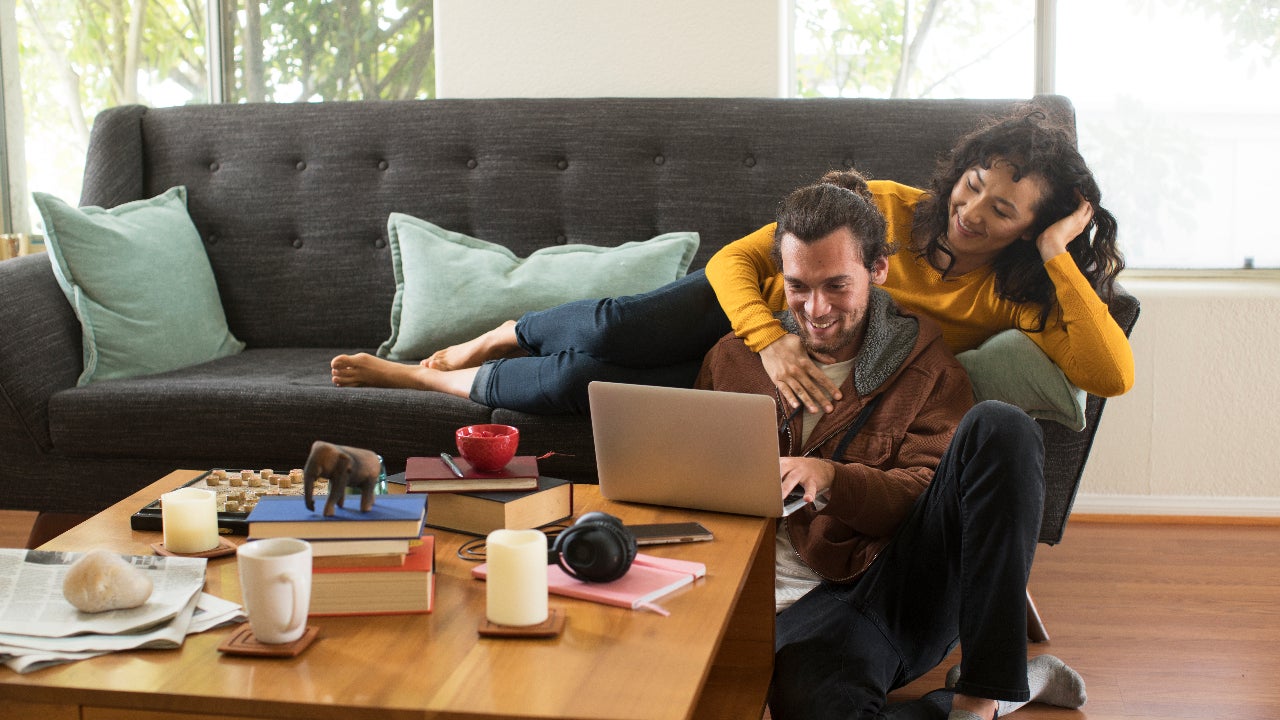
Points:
x=923, y=392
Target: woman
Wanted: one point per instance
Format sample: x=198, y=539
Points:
x=1001, y=240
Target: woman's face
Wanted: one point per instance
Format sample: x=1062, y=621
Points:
x=989, y=212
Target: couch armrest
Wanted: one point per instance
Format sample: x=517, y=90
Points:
x=40, y=348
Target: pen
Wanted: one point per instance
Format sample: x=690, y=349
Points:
x=452, y=465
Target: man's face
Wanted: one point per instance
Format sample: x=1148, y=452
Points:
x=828, y=290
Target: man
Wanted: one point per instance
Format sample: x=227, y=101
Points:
x=923, y=513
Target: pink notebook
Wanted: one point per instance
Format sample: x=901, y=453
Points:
x=648, y=579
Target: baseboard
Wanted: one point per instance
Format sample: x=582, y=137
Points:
x=1172, y=506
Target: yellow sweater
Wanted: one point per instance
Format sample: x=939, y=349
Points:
x=1082, y=339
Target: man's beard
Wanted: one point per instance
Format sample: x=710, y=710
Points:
x=832, y=346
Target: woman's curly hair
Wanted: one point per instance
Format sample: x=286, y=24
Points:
x=1034, y=146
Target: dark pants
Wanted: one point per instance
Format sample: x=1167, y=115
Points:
x=654, y=338
x=955, y=572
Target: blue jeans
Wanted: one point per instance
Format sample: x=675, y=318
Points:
x=955, y=573
x=654, y=338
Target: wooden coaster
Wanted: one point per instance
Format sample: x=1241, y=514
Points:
x=242, y=642
x=551, y=627
x=224, y=547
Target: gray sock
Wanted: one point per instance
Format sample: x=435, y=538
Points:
x=962, y=715
x=1050, y=680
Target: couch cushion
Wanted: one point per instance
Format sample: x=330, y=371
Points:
x=451, y=287
x=140, y=283
x=1010, y=367
x=238, y=409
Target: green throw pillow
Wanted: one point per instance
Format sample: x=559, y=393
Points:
x=139, y=280
x=451, y=287
x=1012, y=368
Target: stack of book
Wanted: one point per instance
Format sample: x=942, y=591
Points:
x=363, y=563
x=515, y=498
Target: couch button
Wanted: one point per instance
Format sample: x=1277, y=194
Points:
x=297, y=243
x=301, y=165
x=848, y=163
x=213, y=167
x=382, y=165
x=561, y=239
x=658, y=160
x=380, y=243
x=212, y=240
x=563, y=164
x=750, y=161
x=471, y=163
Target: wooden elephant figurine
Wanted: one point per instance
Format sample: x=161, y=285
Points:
x=344, y=467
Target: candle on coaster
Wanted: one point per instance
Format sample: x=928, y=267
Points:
x=517, y=583
x=190, y=519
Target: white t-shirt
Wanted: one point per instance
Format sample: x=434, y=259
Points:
x=792, y=578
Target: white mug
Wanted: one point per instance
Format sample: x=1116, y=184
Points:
x=275, y=582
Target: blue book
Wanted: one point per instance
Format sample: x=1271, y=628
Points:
x=392, y=516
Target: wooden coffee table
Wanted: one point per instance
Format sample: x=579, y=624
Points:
x=711, y=658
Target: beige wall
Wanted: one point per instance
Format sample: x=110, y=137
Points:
x=1199, y=431
x=592, y=48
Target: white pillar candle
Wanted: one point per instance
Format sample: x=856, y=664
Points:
x=517, y=581
x=190, y=519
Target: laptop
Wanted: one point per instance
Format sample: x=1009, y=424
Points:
x=696, y=449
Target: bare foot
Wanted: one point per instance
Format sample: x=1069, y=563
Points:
x=499, y=342
x=365, y=370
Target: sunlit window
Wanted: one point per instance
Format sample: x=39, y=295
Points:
x=887, y=48
x=79, y=57
x=1179, y=114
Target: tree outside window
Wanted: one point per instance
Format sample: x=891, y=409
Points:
x=79, y=57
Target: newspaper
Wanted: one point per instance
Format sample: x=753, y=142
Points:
x=39, y=628
x=31, y=600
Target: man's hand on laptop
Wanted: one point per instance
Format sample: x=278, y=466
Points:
x=813, y=475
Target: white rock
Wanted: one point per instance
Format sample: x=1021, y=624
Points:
x=102, y=580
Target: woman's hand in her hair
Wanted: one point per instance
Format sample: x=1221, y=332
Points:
x=1053, y=241
x=798, y=379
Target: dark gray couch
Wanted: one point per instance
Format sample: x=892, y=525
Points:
x=292, y=202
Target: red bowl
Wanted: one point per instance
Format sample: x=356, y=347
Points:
x=488, y=447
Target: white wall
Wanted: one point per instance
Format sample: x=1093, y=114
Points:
x=1198, y=433
x=592, y=48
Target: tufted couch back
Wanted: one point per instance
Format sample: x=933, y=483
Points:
x=292, y=200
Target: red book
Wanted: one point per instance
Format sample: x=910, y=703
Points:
x=371, y=590
x=432, y=474
x=648, y=579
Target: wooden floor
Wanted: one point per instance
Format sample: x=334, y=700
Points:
x=1165, y=621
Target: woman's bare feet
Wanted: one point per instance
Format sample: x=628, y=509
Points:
x=365, y=370
x=499, y=342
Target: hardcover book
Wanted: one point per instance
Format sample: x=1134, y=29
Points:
x=392, y=516
x=479, y=513
x=432, y=474
x=352, y=548
x=648, y=579
x=369, y=590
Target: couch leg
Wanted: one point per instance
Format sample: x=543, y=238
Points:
x=49, y=525
x=1035, y=626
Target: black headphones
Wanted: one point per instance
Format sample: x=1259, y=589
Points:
x=596, y=548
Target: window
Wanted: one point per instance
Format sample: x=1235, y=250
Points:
x=78, y=57
x=898, y=48
x=1175, y=99
x=1180, y=119
x=286, y=51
